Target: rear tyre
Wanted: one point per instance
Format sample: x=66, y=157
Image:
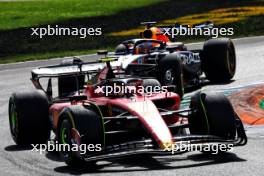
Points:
x=29, y=118
x=79, y=126
x=219, y=60
x=170, y=73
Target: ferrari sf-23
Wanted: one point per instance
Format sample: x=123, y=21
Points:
x=120, y=123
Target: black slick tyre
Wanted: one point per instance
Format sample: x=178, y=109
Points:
x=89, y=126
x=219, y=59
x=170, y=73
x=214, y=115
x=29, y=118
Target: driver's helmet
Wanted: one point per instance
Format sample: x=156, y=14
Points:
x=143, y=48
x=121, y=49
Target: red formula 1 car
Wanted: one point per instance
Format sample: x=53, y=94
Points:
x=116, y=124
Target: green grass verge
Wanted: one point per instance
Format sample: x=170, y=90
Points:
x=17, y=14
x=16, y=18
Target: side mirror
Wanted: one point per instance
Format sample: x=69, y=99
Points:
x=49, y=88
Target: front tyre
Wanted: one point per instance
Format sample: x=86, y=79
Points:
x=78, y=126
x=214, y=115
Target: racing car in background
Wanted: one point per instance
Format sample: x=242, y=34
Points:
x=121, y=123
x=172, y=63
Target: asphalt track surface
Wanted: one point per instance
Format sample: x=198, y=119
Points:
x=247, y=160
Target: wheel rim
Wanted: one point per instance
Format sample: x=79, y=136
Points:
x=169, y=77
x=65, y=132
x=13, y=121
x=65, y=139
x=64, y=136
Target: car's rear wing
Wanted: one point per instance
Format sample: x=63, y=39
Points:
x=76, y=66
x=63, y=70
x=207, y=24
x=70, y=74
x=161, y=31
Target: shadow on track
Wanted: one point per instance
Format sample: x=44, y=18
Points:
x=147, y=162
x=14, y=148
